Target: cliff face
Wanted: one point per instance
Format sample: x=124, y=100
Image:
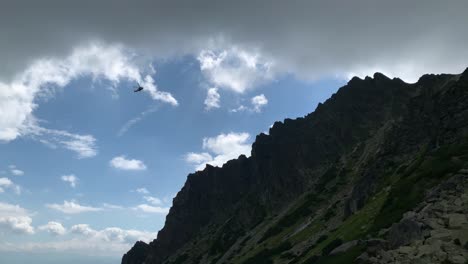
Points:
x=343, y=173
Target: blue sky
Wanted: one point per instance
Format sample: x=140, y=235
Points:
x=87, y=166
x=74, y=198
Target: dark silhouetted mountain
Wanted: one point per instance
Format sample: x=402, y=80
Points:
x=376, y=173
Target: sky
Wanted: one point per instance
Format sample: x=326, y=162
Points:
x=88, y=167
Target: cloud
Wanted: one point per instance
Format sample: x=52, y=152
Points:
x=110, y=241
x=142, y=191
x=54, y=228
x=212, y=99
x=224, y=147
x=83, y=145
x=122, y=163
x=259, y=102
x=153, y=200
x=308, y=38
x=16, y=219
x=241, y=108
x=196, y=158
x=72, y=207
x=72, y=179
x=83, y=229
x=130, y=123
x=233, y=69
x=44, y=74
x=6, y=183
x=151, y=209
x=112, y=206
x=113, y=234
x=15, y=171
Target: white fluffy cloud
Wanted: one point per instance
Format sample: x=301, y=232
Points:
x=14, y=218
x=113, y=234
x=145, y=208
x=71, y=179
x=17, y=97
x=122, y=163
x=224, y=147
x=54, y=228
x=72, y=207
x=258, y=102
x=212, y=99
x=6, y=183
x=234, y=69
x=198, y=158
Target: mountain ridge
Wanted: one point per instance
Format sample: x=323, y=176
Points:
x=321, y=169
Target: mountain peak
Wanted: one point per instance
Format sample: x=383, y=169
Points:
x=329, y=182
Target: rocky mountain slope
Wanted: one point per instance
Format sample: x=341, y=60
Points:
x=376, y=174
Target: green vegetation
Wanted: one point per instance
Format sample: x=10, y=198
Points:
x=226, y=238
x=354, y=227
x=327, y=177
x=331, y=212
x=310, y=230
x=425, y=172
x=346, y=257
x=408, y=184
x=265, y=255
x=330, y=246
x=291, y=218
x=321, y=239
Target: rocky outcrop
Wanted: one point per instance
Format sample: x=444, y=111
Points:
x=320, y=170
x=437, y=231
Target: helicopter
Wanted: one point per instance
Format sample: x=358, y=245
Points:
x=138, y=88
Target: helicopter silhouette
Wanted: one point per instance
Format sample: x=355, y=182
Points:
x=138, y=88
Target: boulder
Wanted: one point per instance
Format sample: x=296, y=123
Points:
x=344, y=247
x=404, y=232
x=441, y=234
x=456, y=221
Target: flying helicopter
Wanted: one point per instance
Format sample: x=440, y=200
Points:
x=138, y=87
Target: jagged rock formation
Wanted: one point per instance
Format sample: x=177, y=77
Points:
x=344, y=183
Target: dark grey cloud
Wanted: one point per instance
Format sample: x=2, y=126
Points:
x=310, y=38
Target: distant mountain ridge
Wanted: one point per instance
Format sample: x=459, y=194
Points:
x=335, y=186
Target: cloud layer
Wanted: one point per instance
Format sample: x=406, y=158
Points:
x=108, y=241
x=310, y=38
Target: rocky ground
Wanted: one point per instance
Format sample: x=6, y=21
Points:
x=435, y=232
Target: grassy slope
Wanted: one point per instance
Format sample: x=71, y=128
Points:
x=408, y=183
